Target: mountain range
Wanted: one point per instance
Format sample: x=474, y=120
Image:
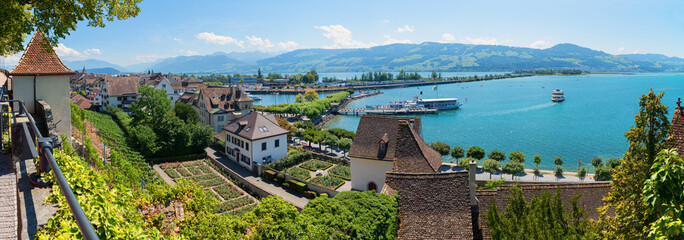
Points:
x=426, y=56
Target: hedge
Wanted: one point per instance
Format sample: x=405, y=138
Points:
x=297, y=186
x=270, y=175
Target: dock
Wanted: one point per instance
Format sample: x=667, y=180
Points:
x=357, y=111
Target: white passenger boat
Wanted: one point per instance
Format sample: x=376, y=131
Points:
x=557, y=95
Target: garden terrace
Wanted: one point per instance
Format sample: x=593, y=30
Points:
x=231, y=198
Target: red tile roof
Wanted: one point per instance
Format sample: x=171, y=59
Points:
x=678, y=129
x=81, y=101
x=40, y=58
x=119, y=86
x=413, y=155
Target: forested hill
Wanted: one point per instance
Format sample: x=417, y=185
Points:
x=462, y=57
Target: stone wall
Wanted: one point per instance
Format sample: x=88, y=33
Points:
x=591, y=199
x=432, y=206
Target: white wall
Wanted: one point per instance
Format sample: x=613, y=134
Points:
x=364, y=171
x=53, y=89
x=275, y=153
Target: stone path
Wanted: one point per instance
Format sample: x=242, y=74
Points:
x=247, y=176
x=520, y=177
x=9, y=221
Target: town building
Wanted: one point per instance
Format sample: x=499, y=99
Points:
x=172, y=90
x=41, y=80
x=375, y=148
x=255, y=138
x=81, y=101
x=216, y=106
x=120, y=92
x=95, y=97
x=243, y=80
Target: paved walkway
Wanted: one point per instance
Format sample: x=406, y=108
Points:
x=520, y=177
x=9, y=221
x=251, y=178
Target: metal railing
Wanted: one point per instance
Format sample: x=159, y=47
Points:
x=46, y=162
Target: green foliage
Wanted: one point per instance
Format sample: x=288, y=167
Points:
x=315, y=165
x=56, y=19
x=293, y=158
x=297, y=186
x=491, y=184
x=77, y=117
x=298, y=173
x=517, y=156
x=513, y=167
x=542, y=217
x=596, y=162
x=664, y=195
x=287, y=126
x=476, y=152
x=558, y=172
x=151, y=105
x=582, y=173
x=340, y=171
x=143, y=138
x=491, y=166
x=328, y=181
x=341, y=133
x=631, y=216
x=441, y=147
x=613, y=163
x=214, y=226
x=465, y=163
x=497, y=155
x=457, y=152
x=310, y=95
x=537, y=159
x=536, y=171
x=300, y=98
x=186, y=113
x=558, y=160
x=310, y=109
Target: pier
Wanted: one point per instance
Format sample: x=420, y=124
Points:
x=357, y=111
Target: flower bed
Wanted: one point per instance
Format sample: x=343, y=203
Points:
x=315, y=165
x=171, y=172
x=328, y=182
x=184, y=172
x=227, y=192
x=234, y=204
x=298, y=173
x=340, y=171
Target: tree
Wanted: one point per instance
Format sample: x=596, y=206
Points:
x=310, y=95
x=558, y=172
x=476, y=152
x=602, y=174
x=596, y=162
x=144, y=139
x=517, y=156
x=441, y=147
x=613, y=163
x=152, y=105
x=664, y=194
x=284, y=124
x=465, y=163
x=457, y=152
x=259, y=75
x=491, y=166
x=537, y=160
x=582, y=173
x=579, y=164
x=56, y=19
x=497, y=155
x=558, y=160
x=186, y=113
x=513, y=167
x=299, y=99
x=344, y=144
x=647, y=138
x=542, y=217
x=330, y=140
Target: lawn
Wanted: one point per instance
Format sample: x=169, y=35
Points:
x=328, y=181
x=298, y=173
x=340, y=171
x=315, y=165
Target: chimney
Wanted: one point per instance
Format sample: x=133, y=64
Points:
x=472, y=171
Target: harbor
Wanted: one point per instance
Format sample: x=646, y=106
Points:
x=403, y=111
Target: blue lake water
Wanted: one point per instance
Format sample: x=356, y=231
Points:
x=517, y=114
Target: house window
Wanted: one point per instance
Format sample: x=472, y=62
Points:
x=263, y=146
x=220, y=118
x=247, y=146
x=118, y=98
x=277, y=143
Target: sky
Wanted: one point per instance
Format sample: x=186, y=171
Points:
x=168, y=28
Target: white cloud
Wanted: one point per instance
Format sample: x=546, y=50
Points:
x=66, y=52
x=218, y=39
x=341, y=37
x=390, y=40
x=540, y=44
x=386, y=21
x=261, y=43
x=448, y=38
x=288, y=46
x=188, y=52
x=481, y=41
x=177, y=39
x=405, y=28
x=621, y=49
x=93, y=51
x=9, y=61
x=635, y=52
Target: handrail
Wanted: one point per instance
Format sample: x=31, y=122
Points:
x=45, y=146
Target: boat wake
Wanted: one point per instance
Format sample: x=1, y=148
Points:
x=518, y=110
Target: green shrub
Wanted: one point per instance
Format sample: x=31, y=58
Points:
x=270, y=174
x=297, y=186
x=325, y=195
x=310, y=194
x=286, y=185
x=280, y=178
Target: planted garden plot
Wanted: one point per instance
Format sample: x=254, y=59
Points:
x=231, y=198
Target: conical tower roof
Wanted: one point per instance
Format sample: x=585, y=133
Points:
x=40, y=58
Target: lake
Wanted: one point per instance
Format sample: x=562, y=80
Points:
x=517, y=114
